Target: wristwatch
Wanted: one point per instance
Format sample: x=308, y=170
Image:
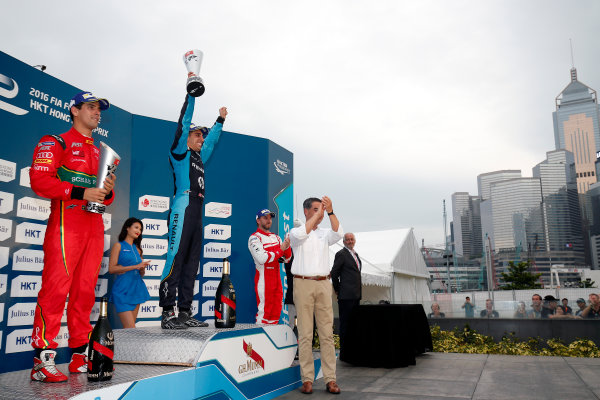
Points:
x=330, y=213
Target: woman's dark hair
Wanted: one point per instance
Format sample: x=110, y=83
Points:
x=137, y=241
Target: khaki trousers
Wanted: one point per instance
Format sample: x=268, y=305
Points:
x=313, y=298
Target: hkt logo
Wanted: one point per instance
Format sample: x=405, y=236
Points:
x=9, y=89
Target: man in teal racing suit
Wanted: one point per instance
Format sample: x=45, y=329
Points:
x=192, y=146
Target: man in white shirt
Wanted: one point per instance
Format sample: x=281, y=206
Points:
x=312, y=289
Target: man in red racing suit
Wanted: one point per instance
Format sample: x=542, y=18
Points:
x=64, y=170
x=267, y=249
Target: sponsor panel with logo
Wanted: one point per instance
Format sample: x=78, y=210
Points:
x=3, y=256
x=101, y=287
x=217, y=232
x=150, y=309
x=152, y=285
x=95, y=313
x=6, y=202
x=34, y=208
x=3, y=283
x=208, y=309
x=209, y=288
x=153, y=203
x=24, y=178
x=212, y=269
x=8, y=170
x=106, y=242
x=154, y=247
x=107, y=221
x=28, y=260
x=20, y=314
x=5, y=228
x=103, y=266
x=218, y=210
x=155, y=268
x=25, y=286
x=217, y=250
x=196, y=287
x=155, y=227
x=1, y=312
x=28, y=232
x=194, y=309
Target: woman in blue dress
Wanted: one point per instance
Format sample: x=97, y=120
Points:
x=126, y=262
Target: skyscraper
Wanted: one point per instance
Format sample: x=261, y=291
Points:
x=576, y=128
x=560, y=207
x=516, y=214
x=467, y=225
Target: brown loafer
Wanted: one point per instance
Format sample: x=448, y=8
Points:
x=333, y=388
x=306, y=387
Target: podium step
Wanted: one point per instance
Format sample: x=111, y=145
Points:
x=157, y=346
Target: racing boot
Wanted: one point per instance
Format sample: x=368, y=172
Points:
x=44, y=368
x=170, y=321
x=185, y=317
x=78, y=364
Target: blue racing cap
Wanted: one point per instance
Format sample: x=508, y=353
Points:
x=203, y=129
x=264, y=212
x=88, y=97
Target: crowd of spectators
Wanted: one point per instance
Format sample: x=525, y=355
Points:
x=547, y=307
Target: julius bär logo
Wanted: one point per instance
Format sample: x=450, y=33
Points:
x=254, y=363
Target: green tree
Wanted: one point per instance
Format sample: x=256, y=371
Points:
x=519, y=277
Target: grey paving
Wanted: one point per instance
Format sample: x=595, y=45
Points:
x=467, y=376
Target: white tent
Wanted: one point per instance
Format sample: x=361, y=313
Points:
x=393, y=267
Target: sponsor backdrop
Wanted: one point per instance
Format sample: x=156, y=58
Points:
x=244, y=174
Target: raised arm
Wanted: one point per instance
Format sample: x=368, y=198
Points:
x=179, y=145
x=213, y=135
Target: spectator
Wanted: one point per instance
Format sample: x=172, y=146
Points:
x=565, y=306
x=536, y=307
x=549, y=306
x=521, y=312
x=581, y=305
x=469, y=308
x=593, y=310
x=560, y=314
x=435, y=311
x=489, y=311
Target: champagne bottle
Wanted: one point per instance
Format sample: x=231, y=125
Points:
x=101, y=347
x=225, y=300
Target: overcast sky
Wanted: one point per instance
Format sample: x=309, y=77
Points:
x=388, y=106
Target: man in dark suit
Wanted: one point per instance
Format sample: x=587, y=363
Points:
x=345, y=275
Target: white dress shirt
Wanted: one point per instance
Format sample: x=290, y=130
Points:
x=311, y=251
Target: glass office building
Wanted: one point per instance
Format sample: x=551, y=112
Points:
x=517, y=214
x=576, y=129
x=484, y=181
x=563, y=232
x=466, y=222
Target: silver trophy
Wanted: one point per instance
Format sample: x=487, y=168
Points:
x=109, y=159
x=193, y=60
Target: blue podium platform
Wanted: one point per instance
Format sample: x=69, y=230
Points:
x=247, y=362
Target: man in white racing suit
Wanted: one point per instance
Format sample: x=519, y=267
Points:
x=268, y=251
